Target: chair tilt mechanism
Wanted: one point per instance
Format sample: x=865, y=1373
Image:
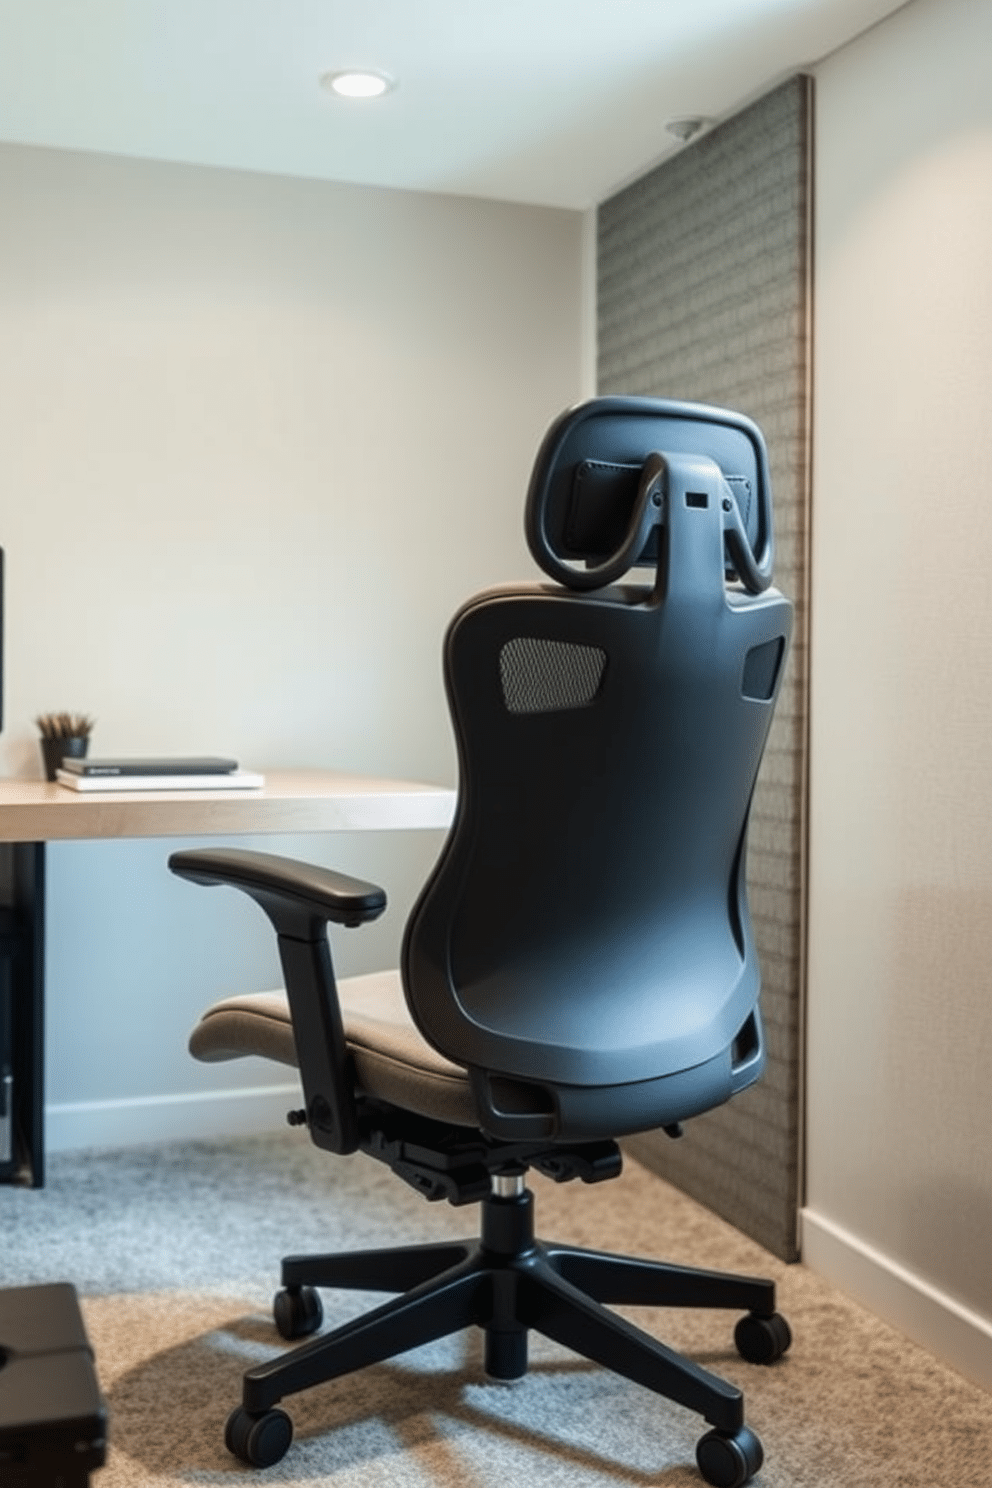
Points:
x=580, y=964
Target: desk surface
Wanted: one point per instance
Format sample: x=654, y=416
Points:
x=290, y=801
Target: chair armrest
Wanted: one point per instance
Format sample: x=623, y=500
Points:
x=299, y=898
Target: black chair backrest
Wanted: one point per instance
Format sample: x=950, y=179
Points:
x=584, y=943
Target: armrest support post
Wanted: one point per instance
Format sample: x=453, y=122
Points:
x=299, y=900
x=321, y=1049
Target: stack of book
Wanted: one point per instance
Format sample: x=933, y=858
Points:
x=170, y=773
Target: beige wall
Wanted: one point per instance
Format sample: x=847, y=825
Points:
x=258, y=438
x=900, y=968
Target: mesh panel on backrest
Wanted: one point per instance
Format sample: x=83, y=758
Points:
x=541, y=676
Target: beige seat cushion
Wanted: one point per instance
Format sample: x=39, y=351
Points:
x=392, y=1060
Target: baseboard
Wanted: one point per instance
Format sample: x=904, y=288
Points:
x=931, y=1318
x=168, y=1118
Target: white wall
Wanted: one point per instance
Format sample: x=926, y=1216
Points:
x=900, y=970
x=258, y=438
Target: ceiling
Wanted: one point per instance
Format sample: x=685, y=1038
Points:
x=546, y=101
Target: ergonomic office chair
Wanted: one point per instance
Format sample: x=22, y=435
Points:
x=580, y=964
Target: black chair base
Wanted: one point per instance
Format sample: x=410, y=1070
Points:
x=506, y=1284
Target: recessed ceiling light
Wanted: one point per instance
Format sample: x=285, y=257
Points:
x=356, y=84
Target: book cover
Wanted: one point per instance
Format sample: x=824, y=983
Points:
x=234, y=780
x=164, y=765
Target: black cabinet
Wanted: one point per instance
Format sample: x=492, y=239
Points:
x=8, y=942
x=22, y=939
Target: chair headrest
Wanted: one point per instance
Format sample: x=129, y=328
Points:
x=601, y=464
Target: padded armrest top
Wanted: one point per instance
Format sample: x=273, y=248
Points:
x=298, y=897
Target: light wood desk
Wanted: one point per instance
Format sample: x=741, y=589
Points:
x=290, y=801
x=33, y=812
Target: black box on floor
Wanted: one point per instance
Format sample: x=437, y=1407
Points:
x=53, y=1421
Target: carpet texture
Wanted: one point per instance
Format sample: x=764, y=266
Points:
x=175, y=1252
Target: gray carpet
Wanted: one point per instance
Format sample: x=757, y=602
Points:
x=175, y=1253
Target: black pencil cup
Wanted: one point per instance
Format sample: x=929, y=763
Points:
x=54, y=751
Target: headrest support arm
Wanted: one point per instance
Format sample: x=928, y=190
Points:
x=598, y=493
x=647, y=514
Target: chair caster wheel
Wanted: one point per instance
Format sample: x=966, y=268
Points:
x=297, y=1311
x=762, y=1340
x=729, y=1461
x=260, y=1441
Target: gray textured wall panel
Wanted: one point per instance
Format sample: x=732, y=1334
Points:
x=703, y=294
